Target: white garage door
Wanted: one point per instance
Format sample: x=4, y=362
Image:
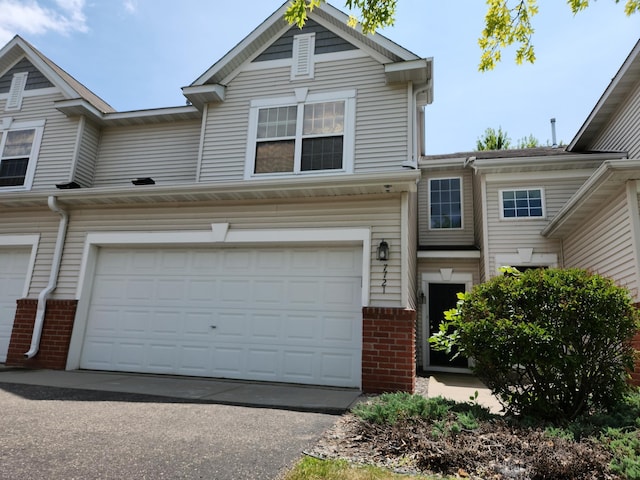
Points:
x=273, y=314
x=13, y=272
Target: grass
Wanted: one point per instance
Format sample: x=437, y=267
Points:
x=310, y=468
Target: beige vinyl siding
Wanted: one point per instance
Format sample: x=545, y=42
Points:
x=58, y=139
x=622, y=132
x=506, y=236
x=381, y=115
x=29, y=222
x=428, y=265
x=604, y=244
x=87, y=153
x=166, y=152
x=379, y=213
x=447, y=236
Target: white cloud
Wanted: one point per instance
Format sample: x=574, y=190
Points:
x=130, y=6
x=32, y=18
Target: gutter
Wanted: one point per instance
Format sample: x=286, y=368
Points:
x=53, y=277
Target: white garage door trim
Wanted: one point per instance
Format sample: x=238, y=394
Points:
x=15, y=280
x=23, y=241
x=220, y=234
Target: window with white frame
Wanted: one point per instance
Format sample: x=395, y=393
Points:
x=445, y=203
x=522, y=203
x=293, y=137
x=19, y=146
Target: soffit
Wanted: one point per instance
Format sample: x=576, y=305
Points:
x=327, y=186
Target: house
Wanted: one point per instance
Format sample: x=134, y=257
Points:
x=264, y=231
x=545, y=207
x=285, y=225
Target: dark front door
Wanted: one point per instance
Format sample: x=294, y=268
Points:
x=443, y=296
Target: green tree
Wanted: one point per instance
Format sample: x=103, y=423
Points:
x=507, y=22
x=528, y=142
x=493, y=140
x=549, y=343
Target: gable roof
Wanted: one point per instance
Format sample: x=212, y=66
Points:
x=275, y=26
x=18, y=48
x=615, y=94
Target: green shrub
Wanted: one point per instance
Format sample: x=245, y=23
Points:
x=549, y=343
x=389, y=408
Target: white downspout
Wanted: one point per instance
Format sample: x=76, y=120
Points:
x=414, y=134
x=53, y=277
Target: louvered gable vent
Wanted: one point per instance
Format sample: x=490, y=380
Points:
x=14, y=101
x=303, y=47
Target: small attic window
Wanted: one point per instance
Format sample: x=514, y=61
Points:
x=18, y=82
x=303, y=48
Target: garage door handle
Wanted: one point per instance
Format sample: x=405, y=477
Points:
x=214, y=326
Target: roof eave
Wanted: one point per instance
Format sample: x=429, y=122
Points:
x=615, y=92
x=80, y=107
x=606, y=180
x=325, y=186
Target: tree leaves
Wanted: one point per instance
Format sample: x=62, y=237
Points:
x=507, y=23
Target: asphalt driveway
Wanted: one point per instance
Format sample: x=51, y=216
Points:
x=59, y=433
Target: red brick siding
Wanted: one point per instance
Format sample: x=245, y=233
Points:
x=388, y=350
x=56, y=334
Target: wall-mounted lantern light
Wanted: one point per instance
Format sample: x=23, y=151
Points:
x=382, y=252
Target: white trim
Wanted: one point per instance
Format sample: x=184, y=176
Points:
x=485, y=226
x=219, y=234
x=36, y=92
x=449, y=254
x=404, y=250
x=524, y=256
x=38, y=127
x=203, y=131
x=318, y=58
x=522, y=189
x=634, y=219
x=303, y=52
x=540, y=175
x=445, y=177
x=446, y=275
x=16, y=91
x=348, y=135
x=76, y=147
x=26, y=241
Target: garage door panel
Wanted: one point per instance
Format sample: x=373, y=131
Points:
x=337, y=367
x=229, y=361
x=230, y=325
x=279, y=314
x=160, y=357
x=266, y=327
x=339, y=330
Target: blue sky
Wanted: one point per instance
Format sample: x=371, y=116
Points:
x=137, y=54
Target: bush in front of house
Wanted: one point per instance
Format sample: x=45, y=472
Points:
x=549, y=343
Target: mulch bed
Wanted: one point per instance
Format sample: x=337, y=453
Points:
x=496, y=450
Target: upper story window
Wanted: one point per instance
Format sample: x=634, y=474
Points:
x=19, y=146
x=522, y=203
x=445, y=203
x=310, y=136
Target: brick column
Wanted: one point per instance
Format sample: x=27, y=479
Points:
x=56, y=334
x=388, y=350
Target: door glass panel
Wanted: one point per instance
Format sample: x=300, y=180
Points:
x=442, y=297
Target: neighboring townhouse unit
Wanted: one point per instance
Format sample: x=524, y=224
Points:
x=543, y=207
x=265, y=231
